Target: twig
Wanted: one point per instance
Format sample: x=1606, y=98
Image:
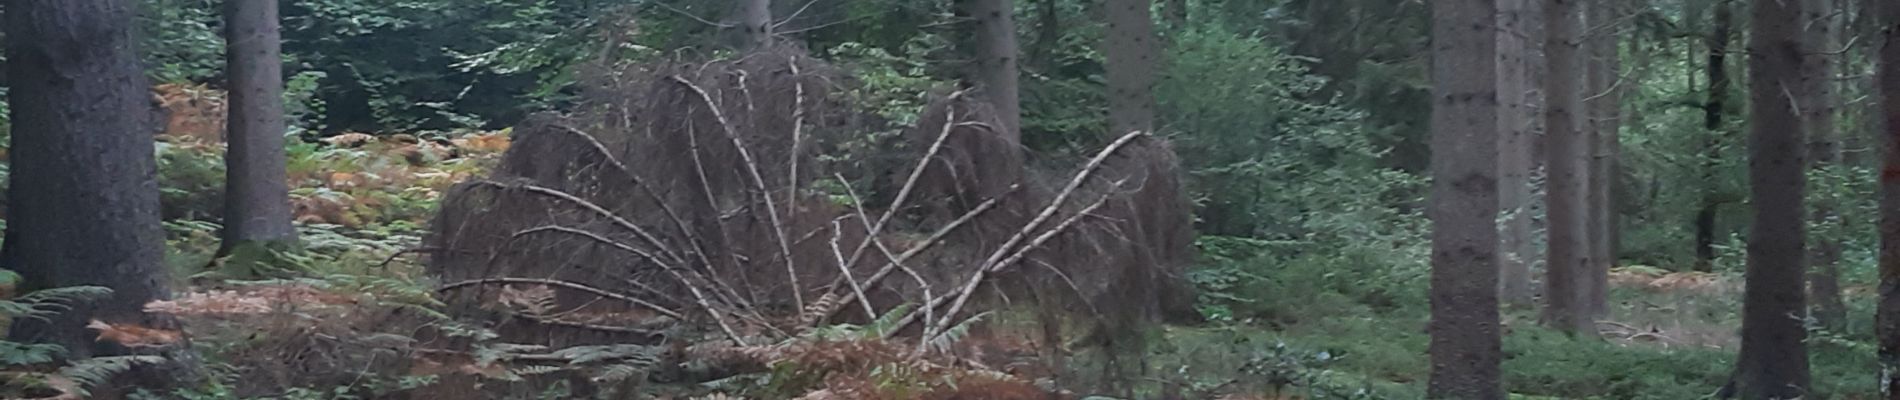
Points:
x=864, y=219
x=836, y=252
x=903, y=194
x=788, y=19
x=691, y=287
x=990, y=263
x=925, y=245
x=399, y=253
x=970, y=287
x=752, y=166
x=565, y=284
x=798, y=132
x=690, y=15
x=597, y=209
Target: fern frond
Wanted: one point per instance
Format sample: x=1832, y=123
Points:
x=622, y=372
x=92, y=372
x=630, y=352
x=949, y=337
x=537, y=370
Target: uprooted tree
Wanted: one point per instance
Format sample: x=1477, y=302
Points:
x=747, y=197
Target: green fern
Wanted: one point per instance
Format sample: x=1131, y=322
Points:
x=92, y=372
x=949, y=337
x=622, y=372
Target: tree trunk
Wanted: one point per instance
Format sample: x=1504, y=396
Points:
x=1048, y=35
x=1604, y=124
x=994, y=70
x=1567, y=264
x=1774, y=358
x=257, y=196
x=1516, y=153
x=1818, y=103
x=1712, y=115
x=1887, y=317
x=755, y=24
x=1132, y=54
x=84, y=194
x=1465, y=347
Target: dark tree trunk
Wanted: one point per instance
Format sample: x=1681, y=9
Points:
x=1887, y=317
x=1516, y=154
x=1567, y=264
x=1824, y=154
x=995, y=55
x=257, y=196
x=84, y=197
x=755, y=24
x=1048, y=35
x=1465, y=346
x=1605, y=125
x=1712, y=115
x=1774, y=357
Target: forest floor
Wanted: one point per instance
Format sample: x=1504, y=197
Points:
x=363, y=203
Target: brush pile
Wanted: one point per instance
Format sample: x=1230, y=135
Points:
x=745, y=198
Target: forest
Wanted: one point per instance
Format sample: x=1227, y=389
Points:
x=950, y=199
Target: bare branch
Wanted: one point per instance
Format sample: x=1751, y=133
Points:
x=758, y=180
x=836, y=252
x=565, y=284
x=595, y=208
x=910, y=183
x=925, y=245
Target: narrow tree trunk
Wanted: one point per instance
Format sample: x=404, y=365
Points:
x=1567, y=264
x=84, y=195
x=1465, y=347
x=1712, y=115
x=755, y=24
x=1818, y=104
x=1176, y=14
x=1604, y=124
x=994, y=70
x=1774, y=358
x=1887, y=317
x=1048, y=35
x=1516, y=153
x=257, y=196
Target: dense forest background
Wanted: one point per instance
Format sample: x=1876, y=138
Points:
x=1299, y=134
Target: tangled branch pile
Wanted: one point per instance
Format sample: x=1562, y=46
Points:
x=746, y=195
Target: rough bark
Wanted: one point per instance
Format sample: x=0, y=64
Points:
x=1774, y=361
x=1465, y=347
x=1713, y=112
x=1818, y=106
x=1887, y=317
x=257, y=196
x=1132, y=53
x=1516, y=155
x=994, y=51
x=1567, y=263
x=1605, y=125
x=84, y=195
x=755, y=24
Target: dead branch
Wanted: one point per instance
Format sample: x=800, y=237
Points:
x=1017, y=257
x=597, y=209
x=910, y=183
x=798, y=134
x=565, y=284
x=926, y=244
x=836, y=252
x=691, y=287
x=864, y=219
x=758, y=180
